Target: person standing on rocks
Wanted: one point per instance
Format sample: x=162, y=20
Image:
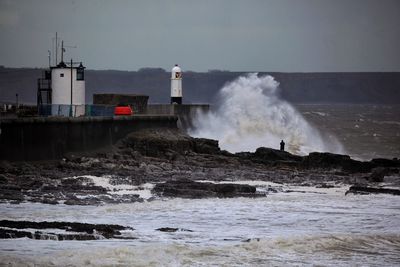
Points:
x=282, y=145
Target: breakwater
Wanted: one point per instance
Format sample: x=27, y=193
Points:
x=52, y=137
x=186, y=113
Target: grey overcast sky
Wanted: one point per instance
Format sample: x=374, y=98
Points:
x=248, y=35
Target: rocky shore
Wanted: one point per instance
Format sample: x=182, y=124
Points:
x=61, y=230
x=175, y=163
x=186, y=188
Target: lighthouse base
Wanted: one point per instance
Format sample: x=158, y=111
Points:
x=176, y=100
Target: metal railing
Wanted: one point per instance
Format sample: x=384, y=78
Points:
x=75, y=110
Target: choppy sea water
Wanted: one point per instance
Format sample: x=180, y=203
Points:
x=366, y=131
x=313, y=227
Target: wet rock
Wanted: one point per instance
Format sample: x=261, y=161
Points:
x=78, y=187
x=15, y=195
x=33, y=185
x=378, y=174
x=165, y=143
x=324, y=160
x=49, y=201
x=49, y=188
x=190, y=189
x=355, y=189
x=70, y=181
x=251, y=240
x=5, y=166
x=8, y=233
x=317, y=160
x=273, y=190
x=270, y=156
x=11, y=229
x=171, y=230
x=11, y=187
x=157, y=142
x=3, y=179
x=386, y=162
x=206, y=146
x=158, y=155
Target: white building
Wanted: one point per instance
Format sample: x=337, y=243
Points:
x=176, y=85
x=68, y=90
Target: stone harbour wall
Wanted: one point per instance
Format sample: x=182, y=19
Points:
x=43, y=138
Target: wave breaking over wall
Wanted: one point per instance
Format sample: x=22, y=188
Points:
x=250, y=114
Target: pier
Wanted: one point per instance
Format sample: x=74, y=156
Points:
x=43, y=138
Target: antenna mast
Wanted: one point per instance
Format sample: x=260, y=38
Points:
x=62, y=51
x=49, y=58
x=56, y=49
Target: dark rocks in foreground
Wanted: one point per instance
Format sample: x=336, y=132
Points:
x=355, y=189
x=80, y=231
x=56, y=189
x=160, y=155
x=185, y=188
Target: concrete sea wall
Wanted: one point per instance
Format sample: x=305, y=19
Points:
x=44, y=138
x=186, y=113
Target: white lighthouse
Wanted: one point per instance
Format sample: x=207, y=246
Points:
x=68, y=89
x=176, y=85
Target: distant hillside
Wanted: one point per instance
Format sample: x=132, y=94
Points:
x=200, y=87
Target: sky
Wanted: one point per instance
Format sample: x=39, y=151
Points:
x=202, y=35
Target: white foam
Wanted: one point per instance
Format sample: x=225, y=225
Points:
x=144, y=190
x=322, y=114
x=252, y=115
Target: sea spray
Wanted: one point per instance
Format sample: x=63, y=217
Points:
x=251, y=114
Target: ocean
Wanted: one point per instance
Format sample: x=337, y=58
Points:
x=366, y=131
x=307, y=227
x=312, y=227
